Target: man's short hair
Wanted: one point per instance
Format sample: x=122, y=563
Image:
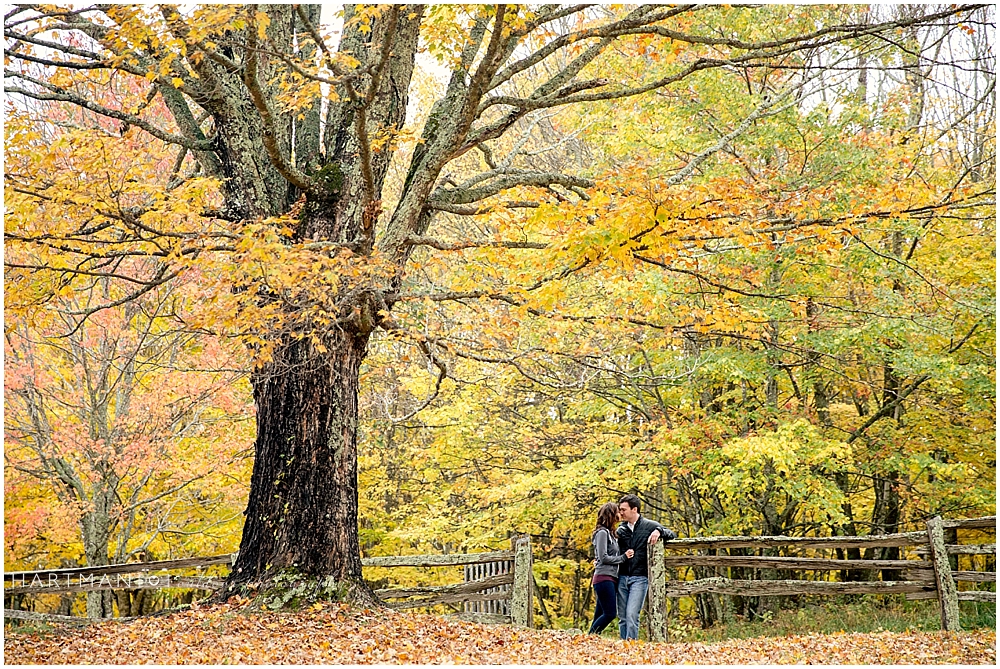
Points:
x=632, y=501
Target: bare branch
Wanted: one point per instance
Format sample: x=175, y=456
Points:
x=165, y=493
x=458, y=246
x=55, y=46
x=442, y=374
x=61, y=95
x=502, y=297
x=293, y=175
x=761, y=52
x=634, y=18
x=840, y=32
x=68, y=64
x=503, y=181
x=46, y=13
x=479, y=210
x=487, y=155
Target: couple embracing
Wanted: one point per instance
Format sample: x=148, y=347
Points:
x=621, y=576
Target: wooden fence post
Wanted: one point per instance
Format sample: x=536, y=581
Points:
x=657, y=603
x=947, y=592
x=520, y=596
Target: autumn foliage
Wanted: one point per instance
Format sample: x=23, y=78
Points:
x=417, y=278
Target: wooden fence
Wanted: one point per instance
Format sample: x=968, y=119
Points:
x=500, y=606
x=497, y=586
x=929, y=576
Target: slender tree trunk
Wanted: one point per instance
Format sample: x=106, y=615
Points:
x=821, y=401
x=848, y=529
x=96, y=530
x=771, y=340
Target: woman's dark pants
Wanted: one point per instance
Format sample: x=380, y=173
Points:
x=607, y=606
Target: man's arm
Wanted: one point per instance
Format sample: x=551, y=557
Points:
x=623, y=534
x=660, y=531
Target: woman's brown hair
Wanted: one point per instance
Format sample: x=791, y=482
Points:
x=607, y=515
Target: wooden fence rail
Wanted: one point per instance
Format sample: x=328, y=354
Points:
x=119, y=582
x=498, y=585
x=508, y=584
x=46, y=575
x=502, y=572
x=129, y=568
x=927, y=578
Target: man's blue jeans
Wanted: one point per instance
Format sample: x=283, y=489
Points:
x=631, y=595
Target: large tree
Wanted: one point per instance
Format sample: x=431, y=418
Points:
x=299, y=130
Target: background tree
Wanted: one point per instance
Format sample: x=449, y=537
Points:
x=132, y=435
x=783, y=326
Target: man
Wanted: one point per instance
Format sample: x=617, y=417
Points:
x=635, y=533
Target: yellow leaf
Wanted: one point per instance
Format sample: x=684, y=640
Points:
x=263, y=21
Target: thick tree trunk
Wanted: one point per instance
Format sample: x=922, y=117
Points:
x=300, y=538
x=301, y=520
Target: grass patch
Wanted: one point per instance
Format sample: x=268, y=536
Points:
x=866, y=613
x=42, y=627
x=38, y=627
x=977, y=615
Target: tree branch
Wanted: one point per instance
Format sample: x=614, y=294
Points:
x=68, y=64
x=414, y=240
x=61, y=95
x=889, y=407
x=181, y=30
x=634, y=18
x=294, y=176
x=387, y=40
x=488, y=65
x=504, y=181
x=472, y=210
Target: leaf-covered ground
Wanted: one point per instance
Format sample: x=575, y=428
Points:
x=335, y=635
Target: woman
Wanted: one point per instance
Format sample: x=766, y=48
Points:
x=606, y=561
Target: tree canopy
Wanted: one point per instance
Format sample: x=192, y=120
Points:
x=512, y=260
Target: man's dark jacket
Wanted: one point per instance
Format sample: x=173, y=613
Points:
x=638, y=540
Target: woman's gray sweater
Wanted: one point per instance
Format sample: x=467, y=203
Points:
x=606, y=554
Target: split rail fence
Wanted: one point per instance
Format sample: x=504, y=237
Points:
x=497, y=586
x=930, y=575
